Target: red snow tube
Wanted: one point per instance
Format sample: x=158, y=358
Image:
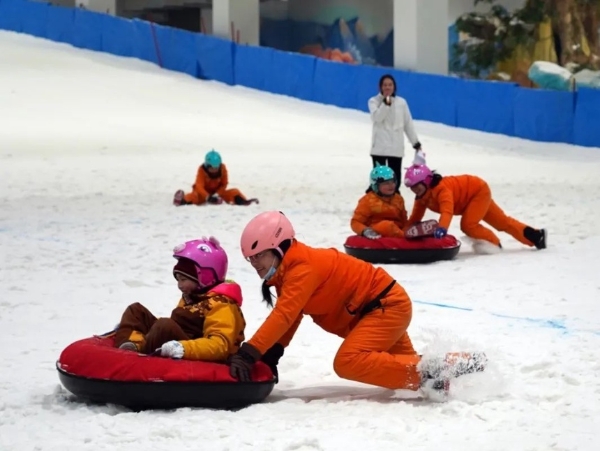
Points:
x=94, y=370
x=401, y=250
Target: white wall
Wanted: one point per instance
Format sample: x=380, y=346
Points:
x=432, y=36
x=206, y=19
x=421, y=35
x=101, y=6
x=245, y=17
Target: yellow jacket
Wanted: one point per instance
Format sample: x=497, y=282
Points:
x=215, y=324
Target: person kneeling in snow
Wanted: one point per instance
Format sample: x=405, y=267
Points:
x=345, y=296
x=207, y=323
x=470, y=197
x=381, y=211
x=211, y=186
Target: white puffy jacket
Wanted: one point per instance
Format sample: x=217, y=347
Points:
x=390, y=123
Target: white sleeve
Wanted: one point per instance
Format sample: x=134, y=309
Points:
x=378, y=109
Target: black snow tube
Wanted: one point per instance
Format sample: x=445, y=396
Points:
x=94, y=370
x=401, y=250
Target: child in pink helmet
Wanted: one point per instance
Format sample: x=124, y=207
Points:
x=345, y=296
x=469, y=197
x=207, y=323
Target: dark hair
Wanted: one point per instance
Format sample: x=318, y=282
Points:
x=266, y=294
x=389, y=77
x=435, y=180
x=265, y=289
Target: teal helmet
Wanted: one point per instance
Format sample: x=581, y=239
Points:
x=381, y=174
x=212, y=159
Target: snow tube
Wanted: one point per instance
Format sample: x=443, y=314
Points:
x=401, y=250
x=94, y=370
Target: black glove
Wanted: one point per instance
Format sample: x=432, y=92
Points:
x=387, y=100
x=240, y=364
x=417, y=146
x=271, y=358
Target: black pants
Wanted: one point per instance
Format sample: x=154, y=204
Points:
x=394, y=163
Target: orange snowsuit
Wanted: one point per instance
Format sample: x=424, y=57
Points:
x=386, y=215
x=470, y=197
x=353, y=300
x=208, y=184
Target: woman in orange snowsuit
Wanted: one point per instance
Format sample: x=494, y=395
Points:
x=380, y=212
x=345, y=296
x=470, y=197
x=211, y=184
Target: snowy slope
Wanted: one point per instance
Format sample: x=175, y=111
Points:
x=93, y=148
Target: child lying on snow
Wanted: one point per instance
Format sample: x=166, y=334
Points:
x=211, y=186
x=380, y=212
x=207, y=323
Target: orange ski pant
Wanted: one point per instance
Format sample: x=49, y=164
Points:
x=388, y=228
x=378, y=350
x=483, y=208
x=228, y=196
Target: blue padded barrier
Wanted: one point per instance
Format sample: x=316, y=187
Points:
x=88, y=27
x=12, y=14
x=542, y=115
x=290, y=74
x=586, y=121
x=335, y=83
x=367, y=85
x=117, y=36
x=252, y=66
x=215, y=59
x=485, y=105
x=143, y=44
x=177, y=49
x=35, y=19
x=61, y=24
x=430, y=97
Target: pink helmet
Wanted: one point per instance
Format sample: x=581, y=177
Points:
x=266, y=231
x=418, y=173
x=209, y=257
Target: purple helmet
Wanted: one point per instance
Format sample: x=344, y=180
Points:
x=210, y=259
x=418, y=173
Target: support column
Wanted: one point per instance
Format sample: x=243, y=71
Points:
x=421, y=35
x=237, y=19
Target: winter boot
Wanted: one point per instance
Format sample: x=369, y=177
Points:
x=178, y=198
x=129, y=346
x=239, y=200
x=537, y=237
x=438, y=372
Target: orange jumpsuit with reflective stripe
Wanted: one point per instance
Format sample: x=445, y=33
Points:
x=332, y=288
x=470, y=197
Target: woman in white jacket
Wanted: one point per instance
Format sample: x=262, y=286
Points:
x=391, y=120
